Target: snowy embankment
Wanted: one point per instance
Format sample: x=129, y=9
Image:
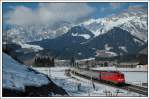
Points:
x=17, y=76
x=20, y=80
x=77, y=86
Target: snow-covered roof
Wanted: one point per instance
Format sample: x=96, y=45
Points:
x=17, y=76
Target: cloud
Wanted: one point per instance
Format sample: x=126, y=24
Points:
x=111, y=7
x=21, y=16
x=137, y=8
x=115, y=5
x=48, y=13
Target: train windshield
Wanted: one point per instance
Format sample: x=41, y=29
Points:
x=120, y=75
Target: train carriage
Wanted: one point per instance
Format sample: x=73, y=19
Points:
x=88, y=73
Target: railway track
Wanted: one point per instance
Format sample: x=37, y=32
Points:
x=138, y=89
x=128, y=87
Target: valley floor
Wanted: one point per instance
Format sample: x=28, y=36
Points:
x=77, y=86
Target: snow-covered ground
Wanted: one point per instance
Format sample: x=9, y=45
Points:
x=136, y=77
x=81, y=86
x=17, y=76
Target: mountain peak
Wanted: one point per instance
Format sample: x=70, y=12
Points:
x=133, y=21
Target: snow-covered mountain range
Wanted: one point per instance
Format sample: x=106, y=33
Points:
x=130, y=20
x=36, y=32
x=134, y=23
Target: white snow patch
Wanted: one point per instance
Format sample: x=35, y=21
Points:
x=17, y=76
x=111, y=53
x=108, y=47
x=79, y=53
x=36, y=48
x=85, y=36
x=88, y=59
x=123, y=48
x=138, y=41
x=93, y=48
x=105, y=53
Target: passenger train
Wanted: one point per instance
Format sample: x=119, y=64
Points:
x=115, y=77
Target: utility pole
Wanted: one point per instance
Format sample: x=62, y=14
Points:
x=92, y=83
x=49, y=72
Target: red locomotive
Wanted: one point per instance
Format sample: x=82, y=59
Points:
x=114, y=77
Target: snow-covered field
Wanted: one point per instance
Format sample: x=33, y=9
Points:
x=136, y=77
x=77, y=86
x=17, y=76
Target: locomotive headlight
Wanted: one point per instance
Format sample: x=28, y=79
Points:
x=120, y=79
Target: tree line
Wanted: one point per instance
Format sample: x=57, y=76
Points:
x=44, y=61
